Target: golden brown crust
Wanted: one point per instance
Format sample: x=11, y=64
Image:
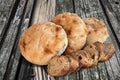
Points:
x=40, y=42
x=97, y=30
x=106, y=50
x=58, y=66
x=83, y=58
x=62, y=65
x=109, y=50
x=75, y=28
x=100, y=48
x=74, y=64
x=93, y=52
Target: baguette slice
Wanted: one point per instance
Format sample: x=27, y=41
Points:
x=93, y=52
x=74, y=64
x=58, y=66
x=109, y=50
x=106, y=50
x=83, y=58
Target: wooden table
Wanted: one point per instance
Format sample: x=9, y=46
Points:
x=17, y=15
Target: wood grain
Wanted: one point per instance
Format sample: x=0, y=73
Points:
x=112, y=10
x=8, y=43
x=5, y=11
x=15, y=55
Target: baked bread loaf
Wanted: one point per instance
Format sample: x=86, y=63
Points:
x=88, y=57
x=97, y=30
x=40, y=42
x=75, y=28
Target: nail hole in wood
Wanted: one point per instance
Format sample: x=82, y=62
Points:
x=116, y=2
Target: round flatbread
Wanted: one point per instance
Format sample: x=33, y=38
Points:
x=40, y=42
x=75, y=28
x=97, y=30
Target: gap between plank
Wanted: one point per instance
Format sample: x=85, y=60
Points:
x=12, y=51
x=11, y=16
x=107, y=18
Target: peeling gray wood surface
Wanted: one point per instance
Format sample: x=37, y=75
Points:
x=15, y=56
x=5, y=11
x=8, y=43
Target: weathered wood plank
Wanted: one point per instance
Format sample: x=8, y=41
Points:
x=102, y=72
x=25, y=71
x=85, y=74
x=6, y=7
x=64, y=6
x=92, y=8
x=8, y=43
x=112, y=9
x=44, y=11
x=15, y=54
